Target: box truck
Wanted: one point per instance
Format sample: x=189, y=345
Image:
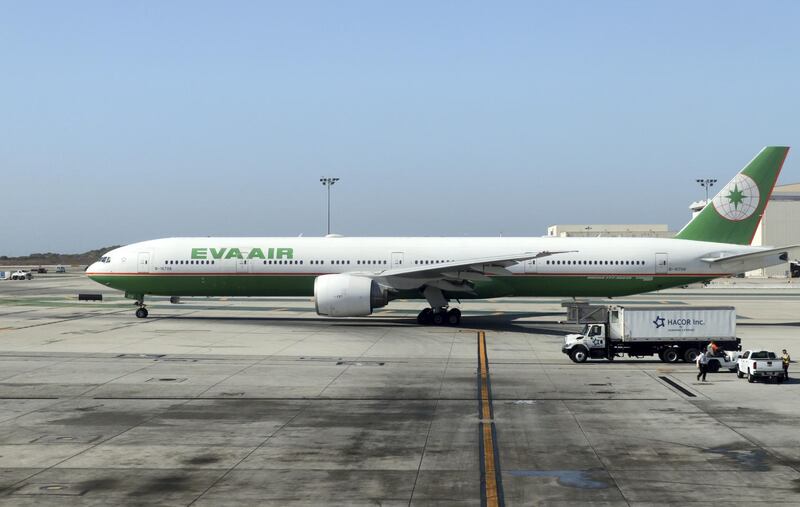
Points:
x=673, y=332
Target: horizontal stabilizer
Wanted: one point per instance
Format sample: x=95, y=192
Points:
x=769, y=257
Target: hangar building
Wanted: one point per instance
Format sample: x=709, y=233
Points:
x=780, y=226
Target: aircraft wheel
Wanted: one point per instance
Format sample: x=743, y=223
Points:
x=141, y=313
x=424, y=317
x=454, y=317
x=438, y=318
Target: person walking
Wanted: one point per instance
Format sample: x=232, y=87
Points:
x=786, y=360
x=702, y=365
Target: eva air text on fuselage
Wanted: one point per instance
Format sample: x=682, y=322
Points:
x=238, y=253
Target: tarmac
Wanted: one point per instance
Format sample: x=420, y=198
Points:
x=255, y=401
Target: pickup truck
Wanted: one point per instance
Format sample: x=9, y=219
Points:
x=758, y=364
x=21, y=275
x=724, y=359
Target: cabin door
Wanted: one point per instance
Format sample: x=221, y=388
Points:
x=397, y=260
x=143, y=266
x=662, y=263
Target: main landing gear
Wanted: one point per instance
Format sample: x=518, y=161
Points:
x=438, y=314
x=439, y=317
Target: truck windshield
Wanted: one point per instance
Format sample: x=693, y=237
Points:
x=591, y=330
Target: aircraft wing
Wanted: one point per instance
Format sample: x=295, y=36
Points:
x=735, y=261
x=453, y=275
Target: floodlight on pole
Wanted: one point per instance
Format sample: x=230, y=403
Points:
x=706, y=183
x=329, y=182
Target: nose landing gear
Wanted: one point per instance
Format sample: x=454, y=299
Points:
x=141, y=311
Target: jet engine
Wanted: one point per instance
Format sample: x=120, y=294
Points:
x=347, y=295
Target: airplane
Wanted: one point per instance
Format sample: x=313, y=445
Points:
x=352, y=276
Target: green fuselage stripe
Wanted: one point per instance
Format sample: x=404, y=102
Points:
x=303, y=285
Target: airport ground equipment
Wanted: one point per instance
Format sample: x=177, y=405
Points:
x=760, y=364
x=90, y=297
x=5, y=275
x=673, y=332
x=724, y=360
x=21, y=275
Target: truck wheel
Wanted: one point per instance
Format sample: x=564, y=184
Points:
x=670, y=355
x=750, y=377
x=713, y=366
x=739, y=373
x=579, y=354
x=690, y=355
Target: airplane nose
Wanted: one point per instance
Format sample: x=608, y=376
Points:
x=94, y=267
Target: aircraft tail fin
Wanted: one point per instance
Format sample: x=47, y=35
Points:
x=733, y=215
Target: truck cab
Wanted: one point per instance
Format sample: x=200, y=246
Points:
x=590, y=342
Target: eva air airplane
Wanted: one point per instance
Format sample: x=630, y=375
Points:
x=352, y=276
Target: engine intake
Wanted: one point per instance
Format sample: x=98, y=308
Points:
x=347, y=295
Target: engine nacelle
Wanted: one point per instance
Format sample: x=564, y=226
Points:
x=347, y=295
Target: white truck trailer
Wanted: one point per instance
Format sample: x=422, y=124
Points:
x=673, y=332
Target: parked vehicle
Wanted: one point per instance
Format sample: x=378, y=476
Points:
x=724, y=360
x=41, y=270
x=21, y=275
x=61, y=269
x=673, y=332
x=760, y=364
x=5, y=275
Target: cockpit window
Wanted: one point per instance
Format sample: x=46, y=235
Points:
x=105, y=259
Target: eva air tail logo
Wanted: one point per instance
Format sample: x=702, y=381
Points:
x=738, y=199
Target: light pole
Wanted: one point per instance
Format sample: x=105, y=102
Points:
x=328, y=182
x=706, y=183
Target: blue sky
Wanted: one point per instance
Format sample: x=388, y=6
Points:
x=124, y=121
